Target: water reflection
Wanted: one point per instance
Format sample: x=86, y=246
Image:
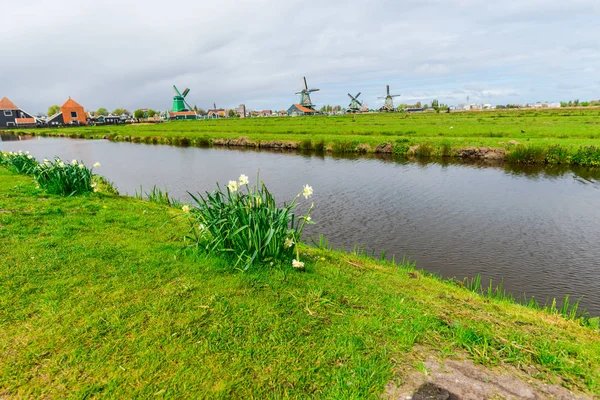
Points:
x=536, y=227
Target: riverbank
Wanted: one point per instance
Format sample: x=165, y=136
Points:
x=97, y=300
x=557, y=136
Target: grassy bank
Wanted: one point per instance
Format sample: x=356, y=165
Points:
x=557, y=136
x=96, y=299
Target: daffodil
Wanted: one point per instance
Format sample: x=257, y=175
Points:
x=289, y=242
x=243, y=180
x=74, y=162
x=297, y=264
x=186, y=208
x=96, y=165
x=29, y=157
x=81, y=166
x=232, y=186
x=307, y=192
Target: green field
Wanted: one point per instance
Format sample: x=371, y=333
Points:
x=567, y=136
x=98, y=300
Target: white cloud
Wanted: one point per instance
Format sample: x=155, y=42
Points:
x=255, y=52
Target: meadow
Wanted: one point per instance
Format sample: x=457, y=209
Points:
x=554, y=136
x=98, y=298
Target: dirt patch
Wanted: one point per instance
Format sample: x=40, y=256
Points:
x=463, y=380
x=482, y=152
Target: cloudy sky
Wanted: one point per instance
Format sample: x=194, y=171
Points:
x=129, y=53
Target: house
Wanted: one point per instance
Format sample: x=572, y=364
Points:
x=266, y=113
x=217, y=112
x=181, y=115
x=12, y=116
x=73, y=113
x=297, y=109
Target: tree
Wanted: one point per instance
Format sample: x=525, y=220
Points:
x=563, y=103
x=102, y=111
x=119, y=111
x=576, y=102
x=151, y=113
x=196, y=108
x=418, y=105
x=138, y=114
x=201, y=112
x=435, y=104
x=53, y=110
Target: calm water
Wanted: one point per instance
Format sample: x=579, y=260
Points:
x=539, y=229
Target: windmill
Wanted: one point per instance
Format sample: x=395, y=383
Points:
x=305, y=96
x=179, y=103
x=355, y=104
x=389, y=100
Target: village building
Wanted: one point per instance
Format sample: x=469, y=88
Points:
x=71, y=113
x=12, y=116
x=217, y=112
x=241, y=111
x=297, y=109
x=181, y=115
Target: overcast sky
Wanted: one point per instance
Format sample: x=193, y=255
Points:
x=129, y=53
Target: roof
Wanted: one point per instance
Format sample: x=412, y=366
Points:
x=304, y=109
x=6, y=104
x=25, y=120
x=182, y=113
x=71, y=104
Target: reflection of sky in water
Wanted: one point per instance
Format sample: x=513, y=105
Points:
x=536, y=227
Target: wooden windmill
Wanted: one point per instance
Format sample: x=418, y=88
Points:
x=305, y=96
x=355, y=105
x=179, y=103
x=389, y=100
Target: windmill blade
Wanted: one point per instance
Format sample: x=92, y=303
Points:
x=357, y=95
x=185, y=92
x=299, y=92
x=190, y=108
x=395, y=95
x=352, y=97
x=388, y=89
x=305, y=85
x=381, y=97
x=314, y=90
x=176, y=90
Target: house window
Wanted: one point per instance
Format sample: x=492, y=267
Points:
x=10, y=124
x=73, y=114
x=7, y=113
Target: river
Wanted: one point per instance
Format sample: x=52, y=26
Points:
x=537, y=228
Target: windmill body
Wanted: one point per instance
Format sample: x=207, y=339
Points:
x=179, y=103
x=389, y=100
x=305, y=100
x=355, y=104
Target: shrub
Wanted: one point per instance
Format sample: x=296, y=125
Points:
x=56, y=177
x=526, y=154
x=588, y=156
x=245, y=223
x=22, y=163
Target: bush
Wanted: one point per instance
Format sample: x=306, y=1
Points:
x=22, y=163
x=56, y=177
x=247, y=225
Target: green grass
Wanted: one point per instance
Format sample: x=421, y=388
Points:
x=443, y=134
x=97, y=300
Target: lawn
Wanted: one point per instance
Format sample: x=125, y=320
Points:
x=97, y=299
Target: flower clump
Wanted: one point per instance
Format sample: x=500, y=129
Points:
x=245, y=222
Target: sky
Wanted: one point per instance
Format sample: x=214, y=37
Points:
x=130, y=53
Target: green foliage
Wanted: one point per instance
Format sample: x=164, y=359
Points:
x=587, y=156
x=156, y=195
x=62, y=179
x=102, y=111
x=523, y=154
x=138, y=114
x=21, y=163
x=120, y=111
x=53, y=110
x=245, y=223
x=151, y=113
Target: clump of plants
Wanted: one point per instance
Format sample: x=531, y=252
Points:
x=65, y=179
x=22, y=163
x=245, y=223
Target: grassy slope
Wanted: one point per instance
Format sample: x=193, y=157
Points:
x=572, y=127
x=96, y=300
